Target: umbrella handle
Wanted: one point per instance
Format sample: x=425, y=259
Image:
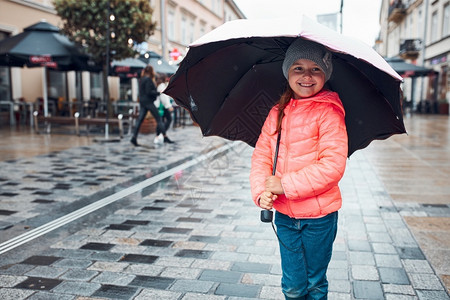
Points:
x=267, y=215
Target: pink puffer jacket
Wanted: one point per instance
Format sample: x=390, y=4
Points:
x=311, y=159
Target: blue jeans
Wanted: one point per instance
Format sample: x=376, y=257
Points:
x=305, y=262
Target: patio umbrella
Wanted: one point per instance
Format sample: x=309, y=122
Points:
x=232, y=76
x=41, y=45
x=159, y=64
x=405, y=69
x=127, y=68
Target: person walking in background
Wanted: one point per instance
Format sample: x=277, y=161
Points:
x=312, y=156
x=147, y=95
x=165, y=108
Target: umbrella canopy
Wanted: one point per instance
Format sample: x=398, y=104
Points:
x=41, y=45
x=232, y=76
x=158, y=63
x=127, y=68
x=405, y=69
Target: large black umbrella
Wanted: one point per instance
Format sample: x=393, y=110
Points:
x=232, y=76
x=41, y=45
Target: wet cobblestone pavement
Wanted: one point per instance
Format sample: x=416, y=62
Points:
x=196, y=234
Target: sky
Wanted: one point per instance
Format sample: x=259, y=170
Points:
x=361, y=17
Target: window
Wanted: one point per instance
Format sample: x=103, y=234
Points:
x=434, y=27
x=96, y=86
x=171, y=25
x=5, y=78
x=191, y=31
x=56, y=85
x=202, y=29
x=443, y=83
x=420, y=23
x=446, y=21
x=5, y=84
x=184, y=36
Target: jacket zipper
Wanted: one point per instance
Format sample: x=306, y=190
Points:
x=286, y=138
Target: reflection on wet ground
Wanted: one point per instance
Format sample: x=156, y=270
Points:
x=415, y=170
x=20, y=142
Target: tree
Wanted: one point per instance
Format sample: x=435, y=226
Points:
x=102, y=25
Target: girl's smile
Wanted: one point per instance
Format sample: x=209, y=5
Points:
x=306, y=78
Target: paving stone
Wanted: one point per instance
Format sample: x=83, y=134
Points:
x=46, y=272
x=115, y=292
x=417, y=266
x=175, y=230
x=367, y=290
x=379, y=237
x=159, y=282
x=205, y=239
x=339, y=296
x=112, y=278
x=361, y=258
x=211, y=264
x=249, y=291
x=76, y=288
x=364, y=272
x=432, y=295
x=393, y=276
x=108, y=266
x=339, y=274
x=156, y=243
x=410, y=253
x=192, y=286
x=97, y=246
x=40, y=260
x=387, y=260
x=18, y=269
x=425, y=281
x=221, y=276
x=38, y=283
x=356, y=245
x=72, y=263
x=50, y=296
x=105, y=256
x=78, y=275
x=10, y=281
x=383, y=248
x=399, y=297
x=203, y=254
x=340, y=286
x=136, y=258
x=270, y=292
x=261, y=279
x=174, y=261
x=399, y=289
x=247, y=267
x=14, y=294
x=146, y=294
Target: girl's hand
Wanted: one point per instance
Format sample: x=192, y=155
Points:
x=273, y=185
x=266, y=200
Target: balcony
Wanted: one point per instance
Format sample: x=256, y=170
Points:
x=397, y=12
x=409, y=49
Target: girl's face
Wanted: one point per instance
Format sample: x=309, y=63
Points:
x=306, y=78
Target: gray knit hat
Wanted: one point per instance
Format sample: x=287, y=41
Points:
x=304, y=49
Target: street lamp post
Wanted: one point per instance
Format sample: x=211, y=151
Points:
x=106, y=90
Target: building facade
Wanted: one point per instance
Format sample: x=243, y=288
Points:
x=179, y=22
x=419, y=32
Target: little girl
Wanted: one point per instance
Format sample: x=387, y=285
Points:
x=311, y=162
